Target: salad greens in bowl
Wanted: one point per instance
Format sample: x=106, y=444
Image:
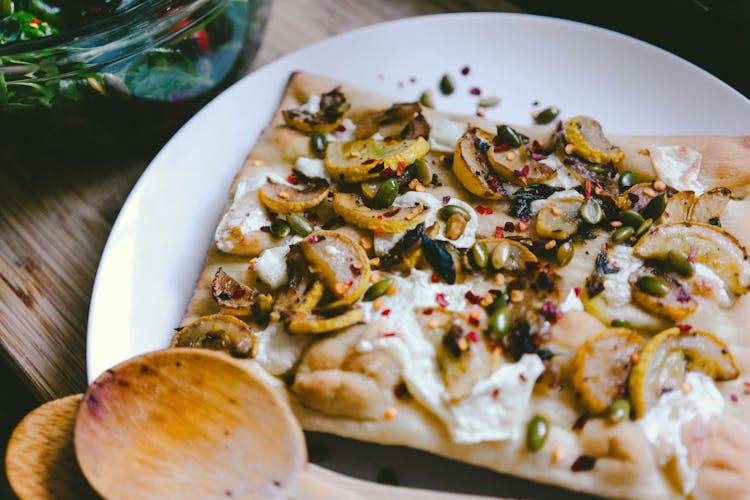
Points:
x=96, y=69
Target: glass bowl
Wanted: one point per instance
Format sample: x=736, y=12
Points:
x=134, y=74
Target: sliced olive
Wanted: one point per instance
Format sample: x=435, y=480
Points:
x=479, y=255
x=536, y=433
x=631, y=218
x=680, y=263
x=652, y=285
x=655, y=207
x=622, y=234
x=300, y=224
x=564, y=253
x=378, y=289
x=318, y=143
x=546, y=115
x=591, y=212
x=386, y=194
x=448, y=210
x=280, y=228
x=422, y=172
x=446, y=84
x=627, y=179
x=499, y=324
x=508, y=136
x=619, y=410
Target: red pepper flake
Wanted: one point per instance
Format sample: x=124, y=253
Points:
x=441, y=300
x=472, y=335
x=400, y=168
x=369, y=161
x=746, y=384
x=387, y=334
x=465, y=70
x=446, y=199
x=481, y=210
x=550, y=312
x=499, y=233
x=314, y=222
x=427, y=311
x=500, y=148
x=684, y=328
x=412, y=79
x=379, y=230
x=524, y=172
x=734, y=398
x=587, y=194
x=577, y=291
x=315, y=238
x=522, y=377
x=391, y=213
x=341, y=128
x=291, y=179
x=495, y=393
x=475, y=91
x=386, y=312
x=509, y=227
x=691, y=255
x=583, y=463
x=472, y=297
x=435, y=278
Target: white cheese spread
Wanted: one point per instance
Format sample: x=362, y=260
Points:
x=571, y=303
x=444, y=135
x=708, y=284
x=279, y=350
x=616, y=287
x=678, y=167
x=271, y=266
x=496, y=407
x=564, y=178
x=345, y=134
x=312, y=105
x=312, y=167
x=537, y=205
x=663, y=423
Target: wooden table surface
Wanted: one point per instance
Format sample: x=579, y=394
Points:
x=56, y=211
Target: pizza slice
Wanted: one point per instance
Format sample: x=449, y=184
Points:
x=552, y=302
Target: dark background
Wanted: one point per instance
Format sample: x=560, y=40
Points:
x=713, y=34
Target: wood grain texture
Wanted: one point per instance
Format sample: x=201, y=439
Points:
x=56, y=211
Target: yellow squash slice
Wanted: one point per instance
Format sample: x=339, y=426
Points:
x=218, y=332
x=471, y=165
x=511, y=166
x=358, y=161
x=284, y=199
x=589, y=140
x=709, y=245
x=558, y=218
x=668, y=355
x=389, y=220
x=312, y=324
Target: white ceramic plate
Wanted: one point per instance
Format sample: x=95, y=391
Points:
x=158, y=243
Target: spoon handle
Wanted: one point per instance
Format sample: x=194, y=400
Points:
x=318, y=483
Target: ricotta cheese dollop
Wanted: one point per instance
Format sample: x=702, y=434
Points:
x=664, y=423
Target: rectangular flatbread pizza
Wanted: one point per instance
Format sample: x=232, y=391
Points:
x=554, y=302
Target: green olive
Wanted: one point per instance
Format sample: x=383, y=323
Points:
x=622, y=234
x=262, y=308
x=564, y=253
x=280, y=228
x=500, y=301
x=446, y=84
x=619, y=410
x=644, y=227
x=318, y=143
x=422, y=172
x=653, y=286
x=591, y=212
x=300, y=224
x=500, y=255
x=479, y=255
x=426, y=100
x=386, y=194
x=655, y=207
x=498, y=324
x=680, y=263
x=546, y=115
x=445, y=212
x=627, y=179
x=631, y=218
x=536, y=432
x=622, y=323
x=508, y=136
x=378, y=289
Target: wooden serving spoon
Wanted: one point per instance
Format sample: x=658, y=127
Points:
x=184, y=423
